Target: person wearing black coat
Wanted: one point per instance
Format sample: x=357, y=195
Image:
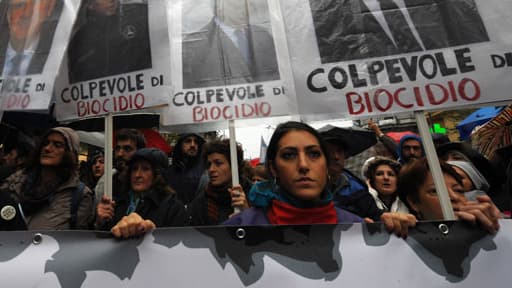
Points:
x=148, y=198
x=216, y=202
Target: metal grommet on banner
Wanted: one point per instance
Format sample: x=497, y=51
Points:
x=37, y=239
x=8, y=212
x=240, y=233
x=444, y=228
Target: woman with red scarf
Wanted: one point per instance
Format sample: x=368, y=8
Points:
x=298, y=194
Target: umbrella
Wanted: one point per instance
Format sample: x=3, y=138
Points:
x=479, y=117
x=354, y=139
x=495, y=134
x=398, y=135
x=155, y=139
x=254, y=162
x=92, y=138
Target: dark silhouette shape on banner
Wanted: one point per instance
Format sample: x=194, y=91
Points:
x=74, y=275
x=358, y=29
x=449, y=254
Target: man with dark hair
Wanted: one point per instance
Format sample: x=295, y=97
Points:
x=187, y=171
x=26, y=42
x=127, y=142
x=410, y=147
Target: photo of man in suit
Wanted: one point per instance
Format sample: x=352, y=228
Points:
x=229, y=49
x=26, y=35
x=358, y=29
x=111, y=37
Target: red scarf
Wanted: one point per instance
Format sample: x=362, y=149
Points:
x=283, y=213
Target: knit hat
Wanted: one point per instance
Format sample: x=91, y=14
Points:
x=406, y=138
x=155, y=156
x=476, y=177
x=71, y=137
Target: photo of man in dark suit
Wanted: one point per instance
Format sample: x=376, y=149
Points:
x=229, y=49
x=26, y=35
x=358, y=29
x=110, y=38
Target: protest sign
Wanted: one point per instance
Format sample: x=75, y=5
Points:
x=371, y=57
x=118, y=60
x=436, y=254
x=226, y=62
x=33, y=38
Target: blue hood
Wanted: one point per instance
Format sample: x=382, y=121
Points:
x=402, y=140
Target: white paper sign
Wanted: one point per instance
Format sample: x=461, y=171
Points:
x=372, y=57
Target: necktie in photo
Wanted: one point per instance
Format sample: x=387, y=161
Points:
x=15, y=65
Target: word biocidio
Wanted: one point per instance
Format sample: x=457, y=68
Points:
x=375, y=86
x=15, y=93
x=104, y=96
x=225, y=103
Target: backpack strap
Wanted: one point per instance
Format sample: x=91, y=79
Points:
x=76, y=198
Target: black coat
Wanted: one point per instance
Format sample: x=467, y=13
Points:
x=158, y=206
x=198, y=209
x=110, y=45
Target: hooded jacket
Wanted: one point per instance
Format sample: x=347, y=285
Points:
x=351, y=194
x=51, y=210
x=56, y=214
x=402, y=140
x=185, y=173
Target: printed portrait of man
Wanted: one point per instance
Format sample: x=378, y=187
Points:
x=229, y=49
x=358, y=29
x=110, y=37
x=26, y=35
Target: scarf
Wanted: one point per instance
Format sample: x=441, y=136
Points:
x=218, y=201
x=284, y=208
x=36, y=194
x=134, y=202
x=281, y=213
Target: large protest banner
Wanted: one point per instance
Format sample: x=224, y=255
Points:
x=435, y=254
x=33, y=38
x=369, y=57
x=225, y=61
x=118, y=59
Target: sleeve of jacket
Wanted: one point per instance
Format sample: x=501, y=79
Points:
x=366, y=204
x=197, y=211
x=390, y=144
x=85, y=214
x=176, y=215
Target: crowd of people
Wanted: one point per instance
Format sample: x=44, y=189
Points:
x=302, y=180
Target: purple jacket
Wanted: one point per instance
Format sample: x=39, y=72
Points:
x=257, y=216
